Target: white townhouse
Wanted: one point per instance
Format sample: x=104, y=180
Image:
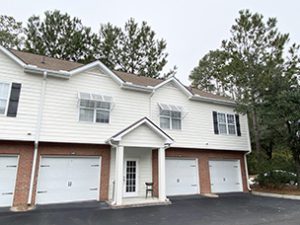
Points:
x=71, y=132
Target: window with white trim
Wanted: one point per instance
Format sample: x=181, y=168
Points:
x=4, y=95
x=94, y=108
x=170, y=117
x=226, y=123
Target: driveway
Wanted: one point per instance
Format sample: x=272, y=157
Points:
x=241, y=209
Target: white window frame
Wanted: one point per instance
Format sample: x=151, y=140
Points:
x=170, y=116
x=227, y=123
x=8, y=97
x=95, y=109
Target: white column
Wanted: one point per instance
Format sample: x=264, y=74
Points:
x=161, y=174
x=119, y=175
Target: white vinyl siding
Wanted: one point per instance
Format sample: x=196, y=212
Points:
x=4, y=97
x=23, y=126
x=226, y=123
x=61, y=111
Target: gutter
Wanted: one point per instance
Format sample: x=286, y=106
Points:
x=37, y=137
x=135, y=87
x=53, y=73
x=212, y=100
x=246, y=170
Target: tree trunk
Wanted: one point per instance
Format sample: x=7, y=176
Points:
x=297, y=164
x=256, y=131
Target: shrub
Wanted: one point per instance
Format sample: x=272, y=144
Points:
x=276, y=178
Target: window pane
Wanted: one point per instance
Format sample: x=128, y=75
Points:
x=4, y=90
x=165, y=112
x=230, y=118
x=2, y=106
x=231, y=129
x=102, y=116
x=86, y=115
x=222, y=129
x=87, y=103
x=221, y=118
x=176, y=114
x=165, y=122
x=103, y=105
x=176, y=124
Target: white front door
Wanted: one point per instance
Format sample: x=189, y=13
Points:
x=225, y=176
x=130, y=177
x=8, y=176
x=68, y=179
x=182, y=177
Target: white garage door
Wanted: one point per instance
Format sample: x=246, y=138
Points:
x=182, y=177
x=8, y=176
x=225, y=176
x=68, y=179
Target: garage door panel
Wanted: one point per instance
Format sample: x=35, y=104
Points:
x=181, y=177
x=68, y=179
x=225, y=176
x=8, y=176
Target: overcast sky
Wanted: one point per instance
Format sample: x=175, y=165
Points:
x=191, y=27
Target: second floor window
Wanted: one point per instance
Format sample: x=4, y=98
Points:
x=226, y=123
x=94, y=108
x=4, y=94
x=170, y=117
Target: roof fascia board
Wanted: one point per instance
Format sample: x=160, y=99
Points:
x=212, y=100
x=178, y=84
x=97, y=63
x=144, y=121
x=12, y=56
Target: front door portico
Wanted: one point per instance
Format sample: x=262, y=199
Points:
x=139, y=139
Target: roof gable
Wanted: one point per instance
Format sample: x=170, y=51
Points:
x=149, y=124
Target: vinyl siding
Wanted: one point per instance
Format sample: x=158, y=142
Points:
x=197, y=124
x=17, y=128
x=142, y=136
x=61, y=113
x=60, y=122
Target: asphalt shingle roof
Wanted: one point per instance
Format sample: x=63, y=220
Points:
x=55, y=64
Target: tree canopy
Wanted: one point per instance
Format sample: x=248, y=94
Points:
x=133, y=48
x=258, y=68
x=10, y=32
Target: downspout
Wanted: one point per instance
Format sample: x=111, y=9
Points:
x=246, y=170
x=37, y=137
x=150, y=104
x=113, y=191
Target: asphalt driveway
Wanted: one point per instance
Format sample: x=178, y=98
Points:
x=241, y=209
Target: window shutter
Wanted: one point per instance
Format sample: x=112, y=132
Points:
x=14, y=100
x=238, y=126
x=215, y=119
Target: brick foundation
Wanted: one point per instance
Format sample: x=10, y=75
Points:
x=203, y=157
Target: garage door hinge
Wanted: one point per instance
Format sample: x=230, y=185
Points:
x=11, y=166
x=93, y=189
x=194, y=185
x=45, y=165
x=211, y=184
x=7, y=193
x=42, y=192
x=193, y=166
x=95, y=165
x=235, y=166
x=237, y=183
